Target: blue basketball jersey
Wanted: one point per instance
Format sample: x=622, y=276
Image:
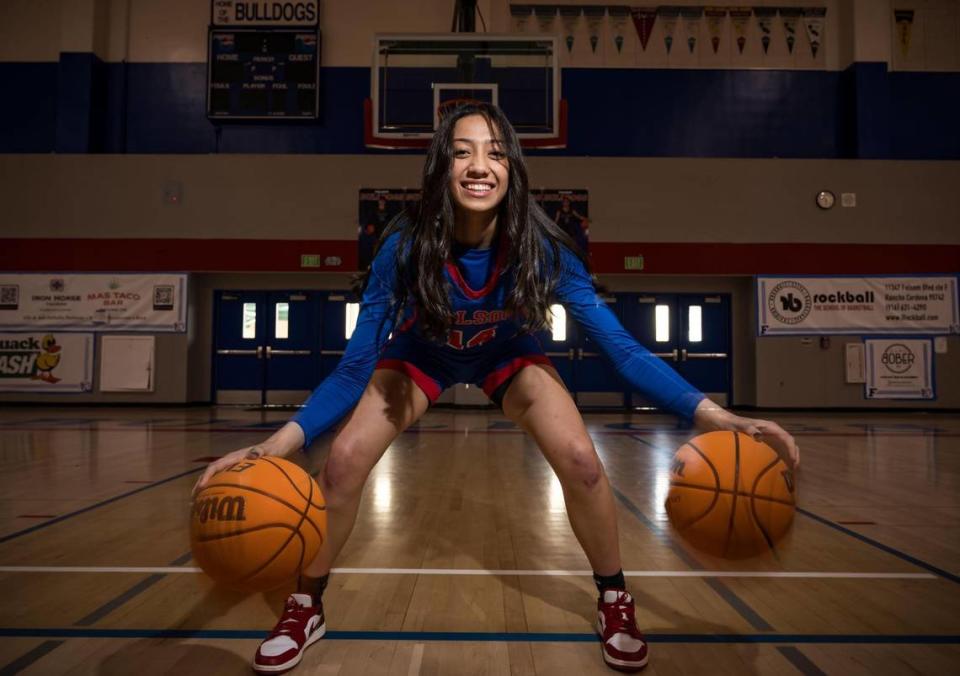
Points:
x=479, y=287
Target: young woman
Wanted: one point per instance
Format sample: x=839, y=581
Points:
x=461, y=287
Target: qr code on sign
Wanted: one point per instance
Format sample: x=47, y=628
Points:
x=163, y=297
x=9, y=297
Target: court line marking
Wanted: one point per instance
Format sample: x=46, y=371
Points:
x=751, y=616
x=468, y=636
x=879, y=545
x=119, y=600
x=802, y=663
x=163, y=570
x=416, y=660
x=29, y=657
x=83, y=510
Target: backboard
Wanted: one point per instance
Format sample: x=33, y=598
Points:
x=415, y=77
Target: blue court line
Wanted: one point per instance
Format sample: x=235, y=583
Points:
x=494, y=636
x=753, y=618
x=83, y=510
x=879, y=545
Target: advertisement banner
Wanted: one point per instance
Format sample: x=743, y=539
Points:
x=899, y=368
x=242, y=13
x=46, y=362
x=99, y=302
x=857, y=305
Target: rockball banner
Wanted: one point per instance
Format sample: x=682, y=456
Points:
x=100, y=302
x=899, y=368
x=46, y=362
x=857, y=305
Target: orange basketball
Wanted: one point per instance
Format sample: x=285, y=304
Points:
x=257, y=524
x=729, y=495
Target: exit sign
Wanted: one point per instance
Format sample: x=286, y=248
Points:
x=633, y=262
x=310, y=261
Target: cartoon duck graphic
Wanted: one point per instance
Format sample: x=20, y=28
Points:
x=48, y=359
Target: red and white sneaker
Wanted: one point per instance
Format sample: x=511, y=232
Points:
x=300, y=625
x=624, y=647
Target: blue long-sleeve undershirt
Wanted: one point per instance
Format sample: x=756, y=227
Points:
x=341, y=390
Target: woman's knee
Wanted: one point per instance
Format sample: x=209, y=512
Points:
x=581, y=468
x=345, y=472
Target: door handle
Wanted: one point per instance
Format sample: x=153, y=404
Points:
x=683, y=354
x=291, y=353
x=259, y=351
x=570, y=354
x=673, y=355
x=238, y=352
x=707, y=355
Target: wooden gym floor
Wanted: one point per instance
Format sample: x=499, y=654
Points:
x=462, y=561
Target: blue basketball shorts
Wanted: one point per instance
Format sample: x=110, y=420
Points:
x=434, y=368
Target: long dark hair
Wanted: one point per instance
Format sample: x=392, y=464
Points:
x=533, y=240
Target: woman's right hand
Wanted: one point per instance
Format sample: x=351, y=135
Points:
x=226, y=462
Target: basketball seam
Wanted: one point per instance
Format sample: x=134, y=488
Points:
x=296, y=532
x=716, y=492
x=233, y=533
x=727, y=491
x=292, y=482
x=272, y=497
x=753, y=505
x=736, y=487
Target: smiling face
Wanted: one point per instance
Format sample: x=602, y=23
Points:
x=480, y=170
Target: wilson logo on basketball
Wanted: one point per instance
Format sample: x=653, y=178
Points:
x=228, y=508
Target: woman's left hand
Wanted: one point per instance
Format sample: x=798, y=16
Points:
x=709, y=417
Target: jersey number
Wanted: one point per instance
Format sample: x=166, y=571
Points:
x=455, y=339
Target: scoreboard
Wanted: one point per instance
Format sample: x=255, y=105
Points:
x=263, y=73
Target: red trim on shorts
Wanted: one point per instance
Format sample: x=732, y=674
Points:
x=505, y=372
x=423, y=381
x=494, y=274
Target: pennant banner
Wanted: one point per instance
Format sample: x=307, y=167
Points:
x=594, y=16
x=643, y=20
x=715, y=17
x=813, y=21
x=569, y=16
x=691, y=25
x=669, y=16
x=765, y=17
x=790, y=17
x=904, y=19
x=545, y=15
x=618, y=20
x=740, y=18
x=520, y=14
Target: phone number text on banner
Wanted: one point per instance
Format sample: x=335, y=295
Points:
x=77, y=302
x=46, y=362
x=857, y=305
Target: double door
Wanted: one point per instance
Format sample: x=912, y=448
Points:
x=689, y=332
x=266, y=348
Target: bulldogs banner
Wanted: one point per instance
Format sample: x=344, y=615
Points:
x=857, y=305
x=46, y=362
x=241, y=13
x=120, y=302
x=899, y=369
